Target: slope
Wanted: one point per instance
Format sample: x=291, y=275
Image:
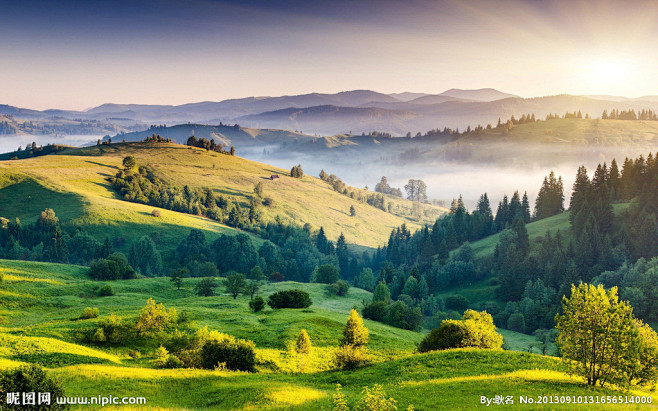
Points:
x=74, y=184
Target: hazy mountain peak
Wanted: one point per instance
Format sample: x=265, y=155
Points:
x=483, y=94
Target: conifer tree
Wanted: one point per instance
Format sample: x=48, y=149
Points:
x=355, y=333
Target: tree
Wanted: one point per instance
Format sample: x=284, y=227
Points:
x=258, y=189
x=129, y=162
x=352, y=211
x=381, y=293
x=355, y=333
x=177, y=277
x=206, y=287
x=303, y=347
x=416, y=190
x=251, y=288
x=597, y=334
x=296, y=171
x=235, y=284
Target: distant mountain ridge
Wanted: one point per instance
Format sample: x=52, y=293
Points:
x=356, y=111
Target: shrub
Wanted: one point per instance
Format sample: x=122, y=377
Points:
x=155, y=213
x=233, y=354
x=376, y=311
x=257, y=304
x=32, y=379
x=112, y=330
x=290, y=299
x=403, y=316
x=88, y=313
x=106, y=291
x=475, y=330
x=268, y=202
x=343, y=287
x=340, y=287
x=350, y=357
x=114, y=267
x=206, y=287
x=326, y=274
x=375, y=400
x=155, y=318
x=456, y=302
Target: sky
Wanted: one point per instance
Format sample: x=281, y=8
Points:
x=79, y=54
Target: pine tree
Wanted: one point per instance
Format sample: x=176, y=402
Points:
x=355, y=333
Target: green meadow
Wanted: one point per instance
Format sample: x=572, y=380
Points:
x=42, y=303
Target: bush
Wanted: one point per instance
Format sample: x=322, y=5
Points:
x=155, y=318
x=33, y=379
x=114, y=267
x=326, y=274
x=376, y=311
x=106, y=291
x=268, y=202
x=340, y=287
x=206, y=287
x=290, y=299
x=257, y=304
x=155, y=213
x=401, y=315
x=457, y=303
x=350, y=357
x=88, y=313
x=231, y=353
x=475, y=330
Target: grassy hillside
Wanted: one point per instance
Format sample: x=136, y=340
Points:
x=74, y=184
x=41, y=302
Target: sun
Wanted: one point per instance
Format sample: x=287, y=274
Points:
x=609, y=70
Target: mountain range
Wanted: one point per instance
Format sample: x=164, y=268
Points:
x=348, y=112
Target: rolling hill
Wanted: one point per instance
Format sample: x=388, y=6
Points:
x=74, y=183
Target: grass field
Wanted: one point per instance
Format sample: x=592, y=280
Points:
x=41, y=303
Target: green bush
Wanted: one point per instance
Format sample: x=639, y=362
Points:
x=106, y=291
x=257, y=304
x=233, y=354
x=111, y=330
x=475, y=330
x=403, y=316
x=31, y=378
x=326, y=274
x=290, y=299
x=376, y=311
x=155, y=318
x=340, y=287
x=114, y=267
x=206, y=287
x=88, y=313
